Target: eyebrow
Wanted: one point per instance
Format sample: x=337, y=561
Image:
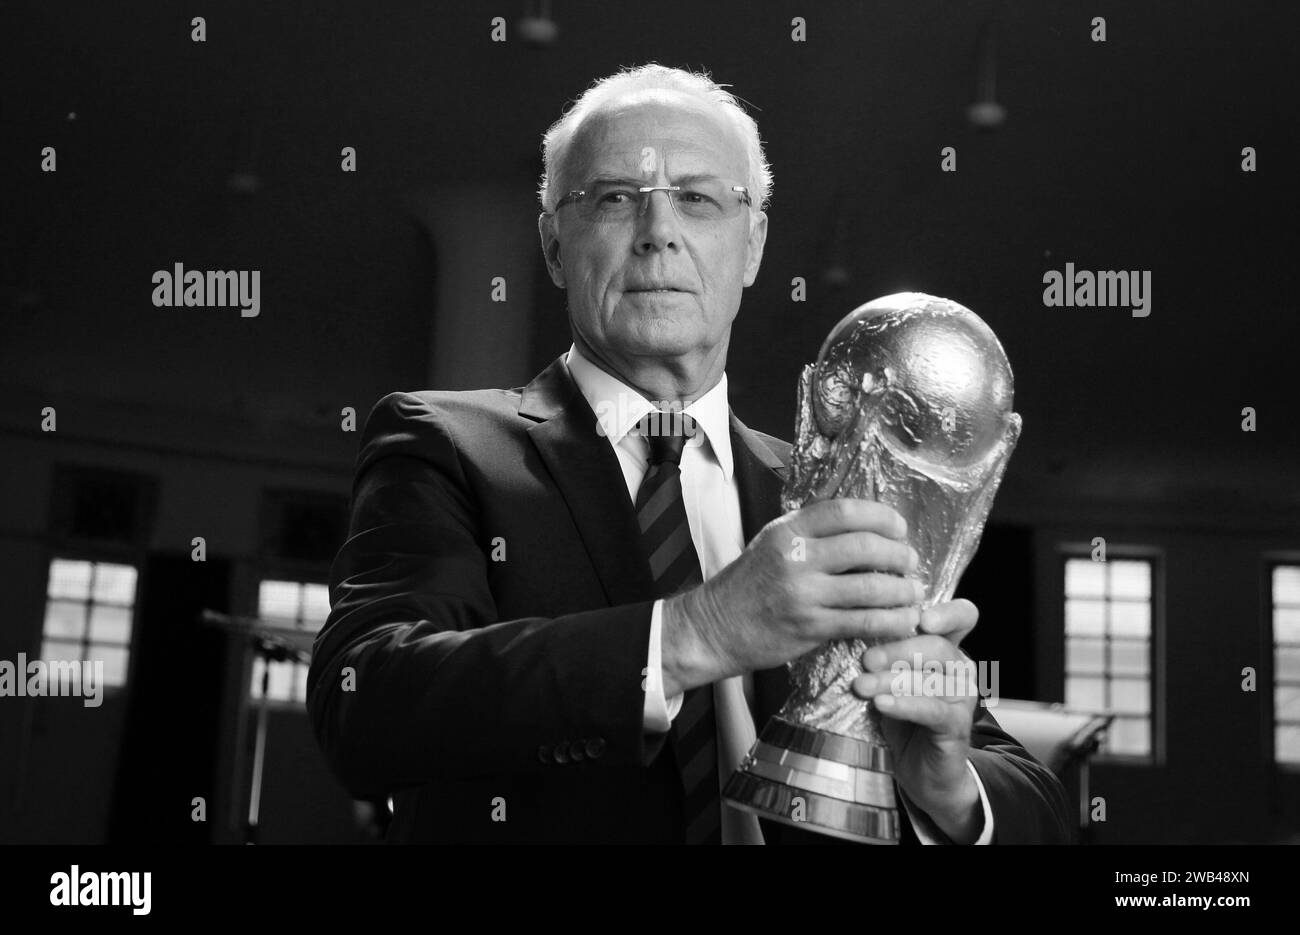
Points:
x=638, y=183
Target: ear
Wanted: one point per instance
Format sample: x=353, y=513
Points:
x=551, y=248
x=757, y=240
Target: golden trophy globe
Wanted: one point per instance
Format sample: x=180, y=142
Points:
x=910, y=404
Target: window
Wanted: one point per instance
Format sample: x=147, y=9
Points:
x=1108, y=613
x=89, y=611
x=294, y=605
x=1286, y=663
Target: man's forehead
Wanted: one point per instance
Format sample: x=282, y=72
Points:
x=636, y=136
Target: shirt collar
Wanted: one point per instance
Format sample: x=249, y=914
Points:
x=618, y=407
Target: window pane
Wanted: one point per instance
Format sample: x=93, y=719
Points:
x=1084, y=694
x=115, y=584
x=69, y=579
x=1286, y=625
x=114, y=659
x=110, y=624
x=284, y=678
x=1287, y=665
x=58, y=649
x=1130, y=657
x=255, y=680
x=1084, y=578
x=1130, y=618
x=1131, y=696
x=1286, y=584
x=315, y=605
x=281, y=681
x=65, y=620
x=1286, y=704
x=278, y=599
x=1085, y=617
x=1286, y=740
x=1129, y=735
x=1130, y=579
x=1084, y=655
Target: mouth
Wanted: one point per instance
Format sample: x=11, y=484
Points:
x=656, y=290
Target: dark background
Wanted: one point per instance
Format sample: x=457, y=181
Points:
x=1116, y=155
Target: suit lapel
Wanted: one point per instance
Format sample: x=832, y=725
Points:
x=590, y=479
x=586, y=471
x=760, y=474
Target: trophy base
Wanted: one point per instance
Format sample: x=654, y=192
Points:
x=822, y=782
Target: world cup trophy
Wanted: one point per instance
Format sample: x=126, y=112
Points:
x=909, y=403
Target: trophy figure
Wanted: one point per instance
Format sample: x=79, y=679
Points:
x=909, y=403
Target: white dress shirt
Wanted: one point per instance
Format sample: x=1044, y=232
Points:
x=713, y=512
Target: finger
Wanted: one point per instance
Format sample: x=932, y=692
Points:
x=935, y=714
x=923, y=710
x=850, y=514
x=876, y=624
x=913, y=652
x=954, y=683
x=850, y=551
x=905, y=698
x=952, y=619
x=870, y=589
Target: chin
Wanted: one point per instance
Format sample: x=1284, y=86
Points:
x=663, y=338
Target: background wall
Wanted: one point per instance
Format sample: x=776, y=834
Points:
x=225, y=155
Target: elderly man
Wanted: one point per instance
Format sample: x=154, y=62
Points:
x=563, y=608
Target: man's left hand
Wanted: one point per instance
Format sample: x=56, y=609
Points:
x=928, y=734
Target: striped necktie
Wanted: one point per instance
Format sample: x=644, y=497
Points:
x=675, y=566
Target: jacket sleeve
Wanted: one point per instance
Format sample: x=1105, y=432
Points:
x=1028, y=801
x=413, y=678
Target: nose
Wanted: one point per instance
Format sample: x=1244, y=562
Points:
x=657, y=224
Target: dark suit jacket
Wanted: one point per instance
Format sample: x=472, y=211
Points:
x=494, y=609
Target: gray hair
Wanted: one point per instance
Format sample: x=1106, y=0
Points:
x=654, y=77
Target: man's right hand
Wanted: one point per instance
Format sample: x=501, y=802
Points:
x=831, y=570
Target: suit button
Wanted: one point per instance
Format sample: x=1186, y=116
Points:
x=544, y=754
x=561, y=753
x=576, y=751
x=595, y=747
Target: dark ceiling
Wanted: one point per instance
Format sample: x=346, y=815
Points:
x=1115, y=155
